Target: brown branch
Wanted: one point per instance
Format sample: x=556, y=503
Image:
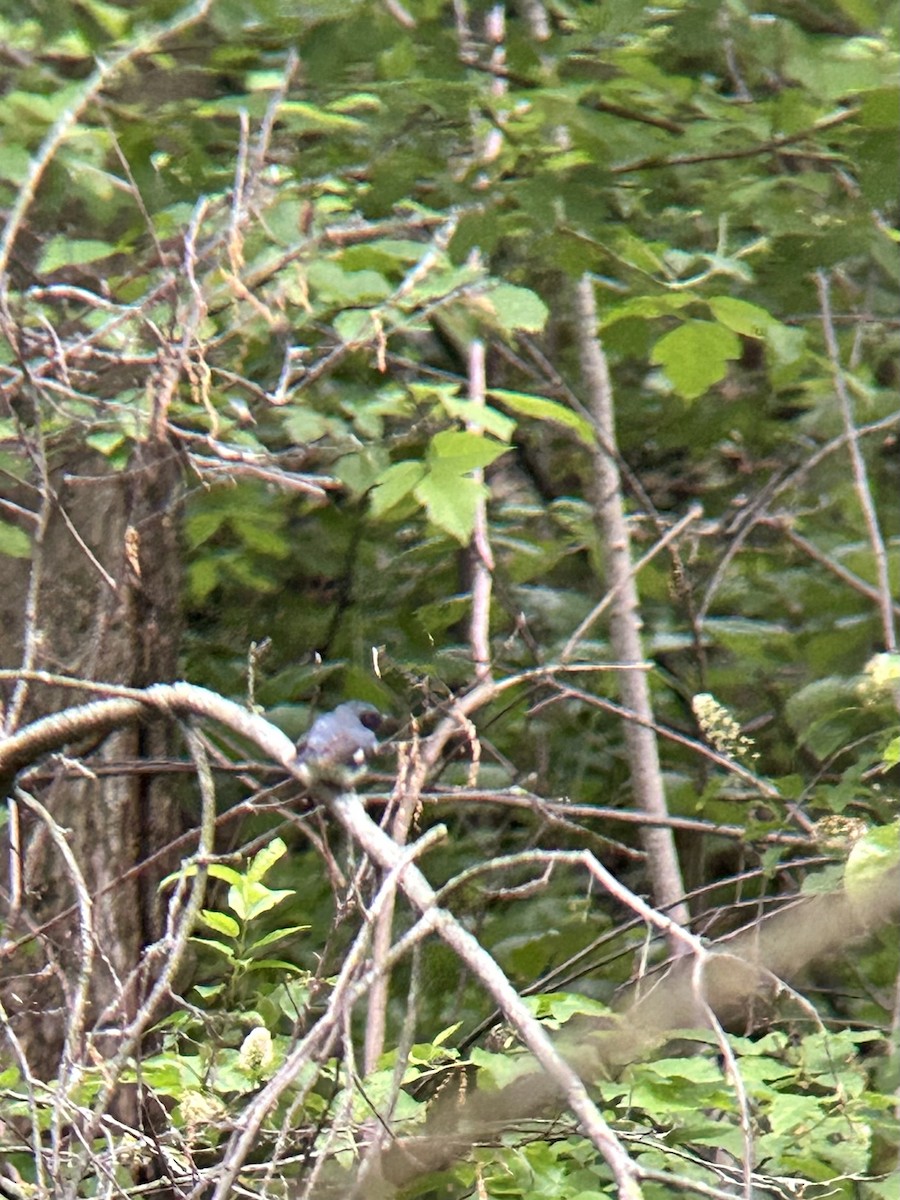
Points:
x=609, y=515
x=480, y=553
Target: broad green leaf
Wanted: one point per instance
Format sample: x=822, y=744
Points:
x=742, y=317
x=394, y=484
x=107, y=441
x=276, y=934
x=113, y=19
x=263, y=862
x=543, y=409
x=354, y=325
x=648, y=307
x=450, y=500
x=14, y=162
x=460, y=452
x=221, y=923
x=250, y=899
x=518, y=308
x=220, y=947
x=490, y=419
x=306, y=425
x=334, y=285
x=14, y=542
x=695, y=356
x=63, y=252
x=880, y=109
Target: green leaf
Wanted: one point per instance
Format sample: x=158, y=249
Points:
x=354, y=325
x=221, y=923
x=277, y=934
x=65, y=252
x=459, y=451
x=14, y=162
x=395, y=484
x=263, y=862
x=107, y=441
x=518, y=308
x=451, y=501
x=251, y=899
x=492, y=421
x=876, y=853
x=543, y=409
x=334, y=285
x=648, y=307
x=695, y=356
x=742, y=317
x=14, y=543
x=304, y=118
x=219, y=947
x=110, y=17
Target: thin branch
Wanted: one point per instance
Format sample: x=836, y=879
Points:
x=694, y=513
x=858, y=466
x=481, y=557
x=609, y=514
x=773, y=144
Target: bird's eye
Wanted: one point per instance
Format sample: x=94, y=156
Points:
x=371, y=720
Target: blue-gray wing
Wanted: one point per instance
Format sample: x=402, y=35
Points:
x=344, y=736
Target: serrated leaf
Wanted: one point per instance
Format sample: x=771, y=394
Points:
x=695, y=356
x=451, y=501
x=394, y=484
x=263, y=862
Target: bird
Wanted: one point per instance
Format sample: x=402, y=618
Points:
x=343, y=737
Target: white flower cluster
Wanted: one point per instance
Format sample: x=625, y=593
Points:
x=720, y=728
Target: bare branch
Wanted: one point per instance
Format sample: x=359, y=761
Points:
x=858, y=466
x=643, y=753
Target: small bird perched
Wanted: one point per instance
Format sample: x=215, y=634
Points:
x=345, y=736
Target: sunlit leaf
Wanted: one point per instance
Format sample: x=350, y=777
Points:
x=695, y=356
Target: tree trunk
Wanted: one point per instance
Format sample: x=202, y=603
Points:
x=98, y=601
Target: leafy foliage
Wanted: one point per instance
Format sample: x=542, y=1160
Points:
x=275, y=232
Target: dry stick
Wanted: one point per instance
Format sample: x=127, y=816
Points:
x=860, y=479
x=183, y=914
x=381, y=849
x=384, y=853
x=70, y=1070
x=482, y=558
x=609, y=513
x=408, y=797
